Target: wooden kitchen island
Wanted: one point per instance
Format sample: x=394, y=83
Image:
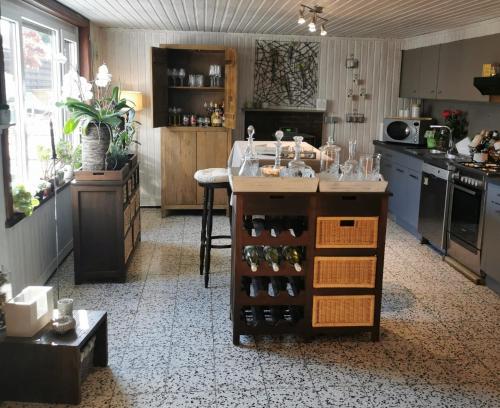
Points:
x=339, y=289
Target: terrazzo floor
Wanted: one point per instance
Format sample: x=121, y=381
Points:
x=170, y=338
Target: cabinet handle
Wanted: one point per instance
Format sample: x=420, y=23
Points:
x=413, y=176
x=494, y=202
x=401, y=171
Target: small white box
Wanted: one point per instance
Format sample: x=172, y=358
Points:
x=29, y=311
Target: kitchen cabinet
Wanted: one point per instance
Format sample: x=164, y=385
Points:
x=410, y=73
x=403, y=174
x=490, y=256
x=446, y=71
x=184, y=150
x=427, y=83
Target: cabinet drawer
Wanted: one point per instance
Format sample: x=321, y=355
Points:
x=344, y=272
x=343, y=311
x=346, y=232
x=128, y=244
x=137, y=227
x=127, y=215
x=137, y=201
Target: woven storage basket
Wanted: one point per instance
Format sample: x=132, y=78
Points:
x=129, y=245
x=343, y=311
x=344, y=272
x=346, y=232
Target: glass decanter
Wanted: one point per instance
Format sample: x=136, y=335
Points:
x=250, y=166
x=297, y=167
x=330, y=158
x=351, y=164
x=274, y=170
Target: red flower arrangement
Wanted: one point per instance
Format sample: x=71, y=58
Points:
x=456, y=120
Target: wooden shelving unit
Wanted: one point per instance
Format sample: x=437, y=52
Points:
x=342, y=281
x=106, y=225
x=185, y=149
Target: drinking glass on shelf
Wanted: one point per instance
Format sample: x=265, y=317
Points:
x=192, y=80
x=199, y=80
x=175, y=74
x=182, y=74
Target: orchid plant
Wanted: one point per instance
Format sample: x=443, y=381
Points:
x=100, y=104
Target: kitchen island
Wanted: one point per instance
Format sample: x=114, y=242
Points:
x=337, y=287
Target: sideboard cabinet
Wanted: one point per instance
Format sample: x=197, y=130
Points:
x=185, y=149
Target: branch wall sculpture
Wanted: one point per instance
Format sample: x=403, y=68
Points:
x=286, y=73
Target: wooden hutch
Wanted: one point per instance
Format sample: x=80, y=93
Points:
x=185, y=149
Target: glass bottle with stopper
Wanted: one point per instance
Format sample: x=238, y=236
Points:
x=274, y=170
x=297, y=167
x=330, y=158
x=350, y=166
x=250, y=166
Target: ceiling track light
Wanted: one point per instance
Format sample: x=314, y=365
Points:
x=313, y=15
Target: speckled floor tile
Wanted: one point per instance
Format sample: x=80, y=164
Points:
x=170, y=339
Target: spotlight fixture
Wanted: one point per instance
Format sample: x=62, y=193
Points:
x=314, y=16
x=312, y=24
x=301, y=19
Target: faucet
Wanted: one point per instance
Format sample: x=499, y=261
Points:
x=452, y=150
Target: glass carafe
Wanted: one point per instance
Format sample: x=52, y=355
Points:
x=273, y=170
x=351, y=164
x=330, y=158
x=250, y=166
x=297, y=167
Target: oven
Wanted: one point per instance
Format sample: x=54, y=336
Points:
x=465, y=219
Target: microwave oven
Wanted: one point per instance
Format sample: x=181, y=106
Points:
x=406, y=130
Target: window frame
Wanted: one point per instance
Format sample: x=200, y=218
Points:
x=68, y=25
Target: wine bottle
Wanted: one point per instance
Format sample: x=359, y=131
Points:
x=258, y=225
x=248, y=224
x=257, y=315
x=273, y=287
x=272, y=256
x=293, y=257
x=296, y=225
x=274, y=225
x=292, y=286
x=251, y=254
x=255, y=287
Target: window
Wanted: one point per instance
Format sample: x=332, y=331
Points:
x=33, y=46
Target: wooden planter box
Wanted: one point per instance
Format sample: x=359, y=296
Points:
x=107, y=175
x=330, y=185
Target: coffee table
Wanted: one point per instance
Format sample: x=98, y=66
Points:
x=47, y=367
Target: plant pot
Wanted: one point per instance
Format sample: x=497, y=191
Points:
x=95, y=145
x=68, y=172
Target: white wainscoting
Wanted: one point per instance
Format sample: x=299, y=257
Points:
x=127, y=53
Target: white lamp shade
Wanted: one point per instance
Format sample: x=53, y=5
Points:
x=134, y=98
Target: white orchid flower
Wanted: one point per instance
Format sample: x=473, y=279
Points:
x=103, y=77
x=76, y=87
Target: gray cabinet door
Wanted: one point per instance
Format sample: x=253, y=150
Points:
x=490, y=256
x=412, y=197
x=427, y=85
x=410, y=73
x=399, y=190
x=450, y=70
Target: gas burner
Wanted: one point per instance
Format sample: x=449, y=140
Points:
x=490, y=168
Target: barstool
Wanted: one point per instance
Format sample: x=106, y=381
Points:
x=210, y=179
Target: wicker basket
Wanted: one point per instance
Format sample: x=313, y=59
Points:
x=344, y=272
x=127, y=215
x=343, y=311
x=129, y=244
x=346, y=232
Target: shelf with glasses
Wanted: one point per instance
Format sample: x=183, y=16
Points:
x=198, y=88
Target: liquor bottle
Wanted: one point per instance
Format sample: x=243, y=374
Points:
x=293, y=257
x=274, y=225
x=272, y=256
x=251, y=254
x=273, y=287
x=255, y=287
x=216, y=118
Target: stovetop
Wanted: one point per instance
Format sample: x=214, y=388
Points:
x=484, y=169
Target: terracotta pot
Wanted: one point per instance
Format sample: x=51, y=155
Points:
x=95, y=144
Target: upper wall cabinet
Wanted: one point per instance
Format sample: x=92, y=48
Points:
x=447, y=71
x=170, y=91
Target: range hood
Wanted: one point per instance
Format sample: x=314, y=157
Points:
x=488, y=85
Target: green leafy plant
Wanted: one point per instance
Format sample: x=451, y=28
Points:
x=24, y=202
x=44, y=157
x=123, y=138
x=77, y=157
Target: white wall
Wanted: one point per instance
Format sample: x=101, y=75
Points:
x=28, y=249
x=127, y=53
x=480, y=29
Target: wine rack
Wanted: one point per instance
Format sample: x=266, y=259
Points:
x=341, y=240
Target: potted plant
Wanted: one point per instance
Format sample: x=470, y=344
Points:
x=99, y=112
x=65, y=157
x=23, y=201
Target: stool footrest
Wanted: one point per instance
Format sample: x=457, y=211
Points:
x=221, y=236
x=220, y=246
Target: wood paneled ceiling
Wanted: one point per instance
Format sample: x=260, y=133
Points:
x=347, y=18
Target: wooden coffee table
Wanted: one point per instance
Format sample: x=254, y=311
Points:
x=47, y=367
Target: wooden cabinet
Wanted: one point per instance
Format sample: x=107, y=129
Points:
x=106, y=226
x=185, y=150
x=447, y=71
x=410, y=73
x=427, y=84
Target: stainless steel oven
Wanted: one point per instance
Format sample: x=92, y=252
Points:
x=465, y=219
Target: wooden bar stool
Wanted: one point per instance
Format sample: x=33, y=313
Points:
x=210, y=179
